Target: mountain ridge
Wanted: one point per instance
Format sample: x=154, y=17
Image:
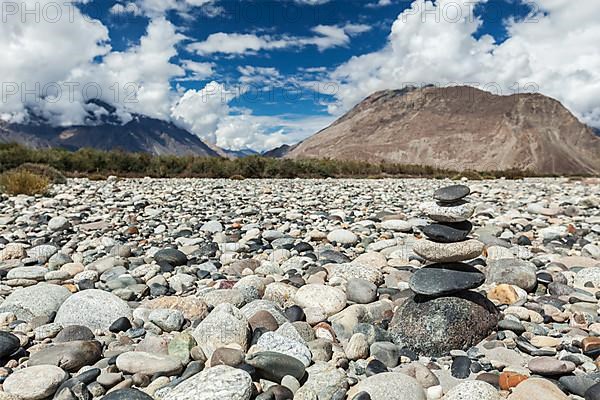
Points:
x=459, y=128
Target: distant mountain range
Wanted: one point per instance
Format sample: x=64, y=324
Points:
x=141, y=134
x=459, y=128
x=455, y=128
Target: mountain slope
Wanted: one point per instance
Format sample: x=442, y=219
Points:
x=141, y=134
x=460, y=128
x=278, y=152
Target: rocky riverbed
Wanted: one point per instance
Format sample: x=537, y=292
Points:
x=305, y=290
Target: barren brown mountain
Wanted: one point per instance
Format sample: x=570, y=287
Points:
x=460, y=128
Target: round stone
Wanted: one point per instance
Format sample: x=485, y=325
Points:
x=93, y=308
x=120, y=325
x=448, y=252
x=59, y=223
x=342, y=236
x=328, y=299
x=74, y=332
x=220, y=382
x=512, y=271
x=139, y=362
x=167, y=320
x=435, y=326
x=35, y=383
x=444, y=213
x=70, y=356
x=397, y=225
x=127, y=394
x=442, y=279
x=392, y=385
x=173, y=257
x=473, y=390
x=361, y=291
x=448, y=232
x=537, y=388
x=549, y=366
x=274, y=366
x=42, y=299
x=223, y=326
x=9, y=343
x=452, y=193
x=271, y=341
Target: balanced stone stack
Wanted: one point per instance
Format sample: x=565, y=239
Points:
x=445, y=314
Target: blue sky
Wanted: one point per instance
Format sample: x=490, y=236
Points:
x=283, y=18
x=260, y=73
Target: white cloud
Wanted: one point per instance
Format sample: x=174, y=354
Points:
x=68, y=61
x=36, y=55
x=200, y=111
x=260, y=133
x=198, y=70
x=158, y=8
x=554, y=49
x=327, y=36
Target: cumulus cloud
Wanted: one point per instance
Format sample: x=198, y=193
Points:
x=262, y=133
x=201, y=111
x=80, y=65
x=553, y=50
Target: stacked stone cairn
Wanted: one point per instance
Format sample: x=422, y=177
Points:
x=445, y=314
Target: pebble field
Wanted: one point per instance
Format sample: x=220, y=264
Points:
x=408, y=289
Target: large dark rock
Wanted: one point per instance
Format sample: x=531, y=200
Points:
x=452, y=193
x=447, y=232
x=9, y=343
x=447, y=278
x=173, y=257
x=434, y=326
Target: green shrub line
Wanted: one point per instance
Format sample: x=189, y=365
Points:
x=97, y=164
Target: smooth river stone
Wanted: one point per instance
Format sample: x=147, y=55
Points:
x=550, y=366
x=42, y=299
x=139, y=362
x=452, y=193
x=220, y=382
x=442, y=279
x=455, y=213
x=448, y=252
x=93, y=308
x=35, y=383
x=392, y=385
x=448, y=232
x=435, y=326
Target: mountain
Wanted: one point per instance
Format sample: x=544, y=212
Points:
x=460, y=128
x=141, y=134
x=243, y=153
x=278, y=152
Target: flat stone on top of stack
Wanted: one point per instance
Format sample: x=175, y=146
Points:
x=443, y=314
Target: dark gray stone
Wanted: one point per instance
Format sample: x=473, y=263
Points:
x=447, y=278
x=74, y=332
x=70, y=356
x=448, y=232
x=127, y=394
x=9, y=343
x=435, y=326
x=173, y=257
x=274, y=366
x=452, y=193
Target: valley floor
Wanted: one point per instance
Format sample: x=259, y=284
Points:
x=192, y=288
